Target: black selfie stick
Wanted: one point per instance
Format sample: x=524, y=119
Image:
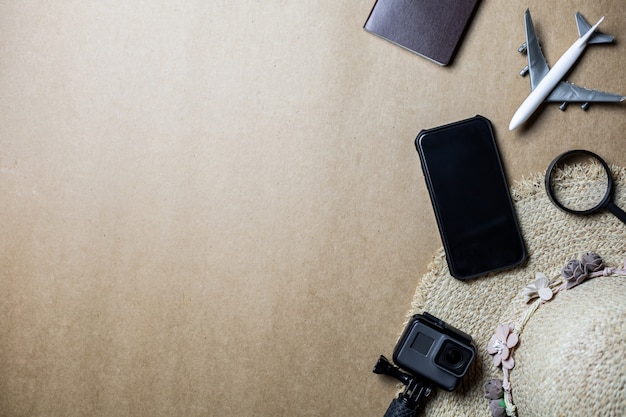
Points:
x=416, y=390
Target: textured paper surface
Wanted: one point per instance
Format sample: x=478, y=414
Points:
x=216, y=208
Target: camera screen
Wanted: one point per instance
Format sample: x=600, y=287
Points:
x=422, y=343
x=454, y=358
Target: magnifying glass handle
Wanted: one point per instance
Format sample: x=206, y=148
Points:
x=619, y=213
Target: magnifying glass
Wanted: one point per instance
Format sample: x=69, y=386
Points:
x=588, y=196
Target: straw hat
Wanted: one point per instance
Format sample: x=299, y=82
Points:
x=570, y=357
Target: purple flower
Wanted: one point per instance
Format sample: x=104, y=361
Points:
x=592, y=262
x=574, y=273
x=493, y=389
x=500, y=346
x=497, y=408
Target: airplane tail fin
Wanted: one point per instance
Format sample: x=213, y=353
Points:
x=597, y=37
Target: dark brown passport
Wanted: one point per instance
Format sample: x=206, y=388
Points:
x=430, y=28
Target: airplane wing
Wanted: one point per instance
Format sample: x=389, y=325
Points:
x=568, y=92
x=537, y=65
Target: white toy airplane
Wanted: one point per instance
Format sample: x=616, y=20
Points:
x=546, y=84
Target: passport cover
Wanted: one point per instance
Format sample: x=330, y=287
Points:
x=430, y=28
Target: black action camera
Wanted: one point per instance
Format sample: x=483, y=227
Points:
x=429, y=353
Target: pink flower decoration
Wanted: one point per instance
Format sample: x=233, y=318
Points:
x=500, y=346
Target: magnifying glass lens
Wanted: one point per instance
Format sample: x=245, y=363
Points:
x=579, y=183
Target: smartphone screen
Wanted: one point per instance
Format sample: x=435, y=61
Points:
x=470, y=197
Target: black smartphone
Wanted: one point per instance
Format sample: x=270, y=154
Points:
x=470, y=197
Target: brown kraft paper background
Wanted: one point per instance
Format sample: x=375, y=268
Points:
x=216, y=208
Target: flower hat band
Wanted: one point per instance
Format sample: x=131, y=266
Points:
x=504, y=342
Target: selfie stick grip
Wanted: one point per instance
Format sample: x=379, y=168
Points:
x=399, y=408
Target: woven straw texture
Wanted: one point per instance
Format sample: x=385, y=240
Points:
x=570, y=359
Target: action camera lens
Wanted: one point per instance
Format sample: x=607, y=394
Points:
x=453, y=357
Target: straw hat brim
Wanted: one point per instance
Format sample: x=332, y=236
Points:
x=570, y=359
